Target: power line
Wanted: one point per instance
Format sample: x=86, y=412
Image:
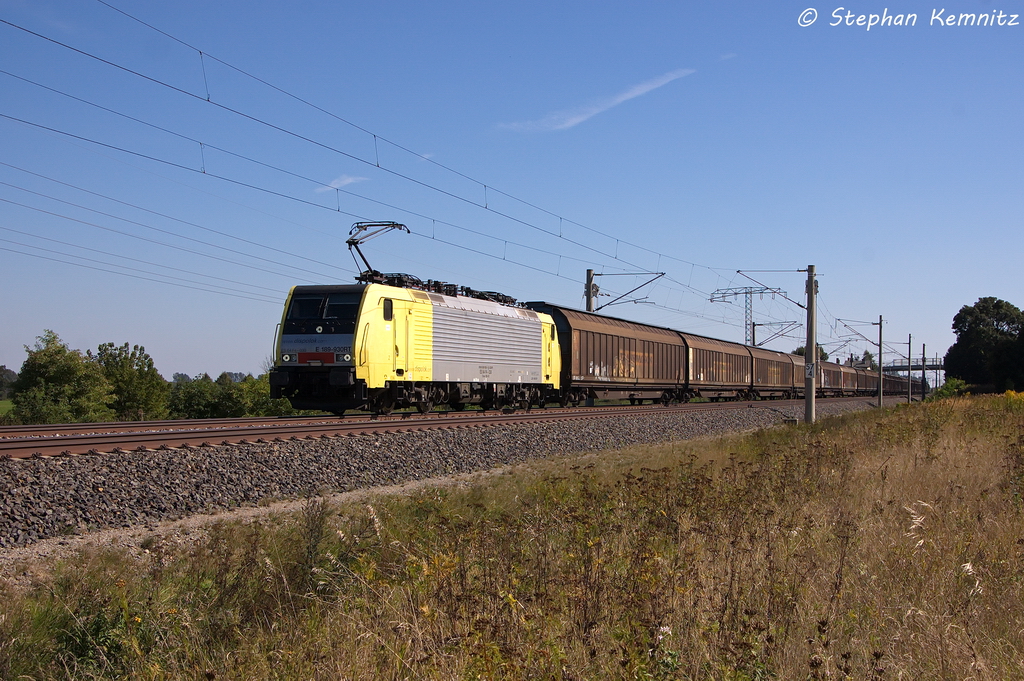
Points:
x=377, y=137
x=304, y=201
x=155, y=229
x=136, y=236
x=135, y=276
x=255, y=119
x=354, y=157
x=171, y=217
x=126, y=257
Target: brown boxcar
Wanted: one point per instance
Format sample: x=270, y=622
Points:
x=717, y=369
x=830, y=379
x=867, y=382
x=613, y=358
x=849, y=380
x=773, y=373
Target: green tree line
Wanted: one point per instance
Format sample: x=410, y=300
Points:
x=989, y=350
x=57, y=384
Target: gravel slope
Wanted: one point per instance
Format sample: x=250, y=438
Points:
x=52, y=497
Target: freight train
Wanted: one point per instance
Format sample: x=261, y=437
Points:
x=398, y=342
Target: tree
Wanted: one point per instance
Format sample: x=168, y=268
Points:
x=194, y=399
x=953, y=387
x=139, y=391
x=987, y=350
x=204, y=398
x=59, y=385
x=822, y=355
x=255, y=395
x=1008, y=365
x=868, y=360
x=7, y=379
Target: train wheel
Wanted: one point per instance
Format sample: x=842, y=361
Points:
x=457, y=406
x=425, y=405
x=385, y=404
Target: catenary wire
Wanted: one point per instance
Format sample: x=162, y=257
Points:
x=155, y=229
x=135, y=276
x=138, y=260
x=390, y=142
x=286, y=196
x=354, y=157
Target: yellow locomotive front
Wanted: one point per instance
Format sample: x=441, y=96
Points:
x=379, y=347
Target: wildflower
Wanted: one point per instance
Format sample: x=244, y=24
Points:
x=917, y=518
x=968, y=570
x=375, y=519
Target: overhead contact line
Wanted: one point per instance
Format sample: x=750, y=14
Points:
x=353, y=157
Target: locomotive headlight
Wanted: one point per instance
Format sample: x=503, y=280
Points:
x=348, y=358
x=286, y=358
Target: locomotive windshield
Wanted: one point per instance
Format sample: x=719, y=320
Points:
x=342, y=305
x=338, y=309
x=306, y=307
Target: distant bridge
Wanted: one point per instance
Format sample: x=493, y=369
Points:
x=900, y=366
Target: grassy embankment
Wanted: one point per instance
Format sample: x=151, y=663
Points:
x=5, y=406
x=879, y=546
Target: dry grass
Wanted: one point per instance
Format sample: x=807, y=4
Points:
x=883, y=545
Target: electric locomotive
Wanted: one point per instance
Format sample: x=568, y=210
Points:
x=405, y=343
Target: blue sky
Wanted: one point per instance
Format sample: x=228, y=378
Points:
x=522, y=143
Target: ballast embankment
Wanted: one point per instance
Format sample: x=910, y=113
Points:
x=50, y=497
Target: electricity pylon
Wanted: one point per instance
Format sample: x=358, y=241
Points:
x=748, y=292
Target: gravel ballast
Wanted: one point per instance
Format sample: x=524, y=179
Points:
x=49, y=497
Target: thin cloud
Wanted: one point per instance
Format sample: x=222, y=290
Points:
x=341, y=181
x=563, y=120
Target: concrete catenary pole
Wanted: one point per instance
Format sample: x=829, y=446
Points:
x=924, y=368
x=589, y=290
x=881, y=383
x=811, y=347
x=910, y=362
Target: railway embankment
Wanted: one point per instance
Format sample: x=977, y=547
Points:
x=881, y=545
x=59, y=496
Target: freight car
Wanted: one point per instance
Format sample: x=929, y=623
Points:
x=604, y=357
x=381, y=347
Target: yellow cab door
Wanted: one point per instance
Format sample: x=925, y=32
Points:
x=400, y=337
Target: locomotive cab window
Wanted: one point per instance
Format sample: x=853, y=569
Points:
x=309, y=310
x=342, y=306
x=389, y=309
x=305, y=307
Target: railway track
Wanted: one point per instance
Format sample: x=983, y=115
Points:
x=98, y=438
